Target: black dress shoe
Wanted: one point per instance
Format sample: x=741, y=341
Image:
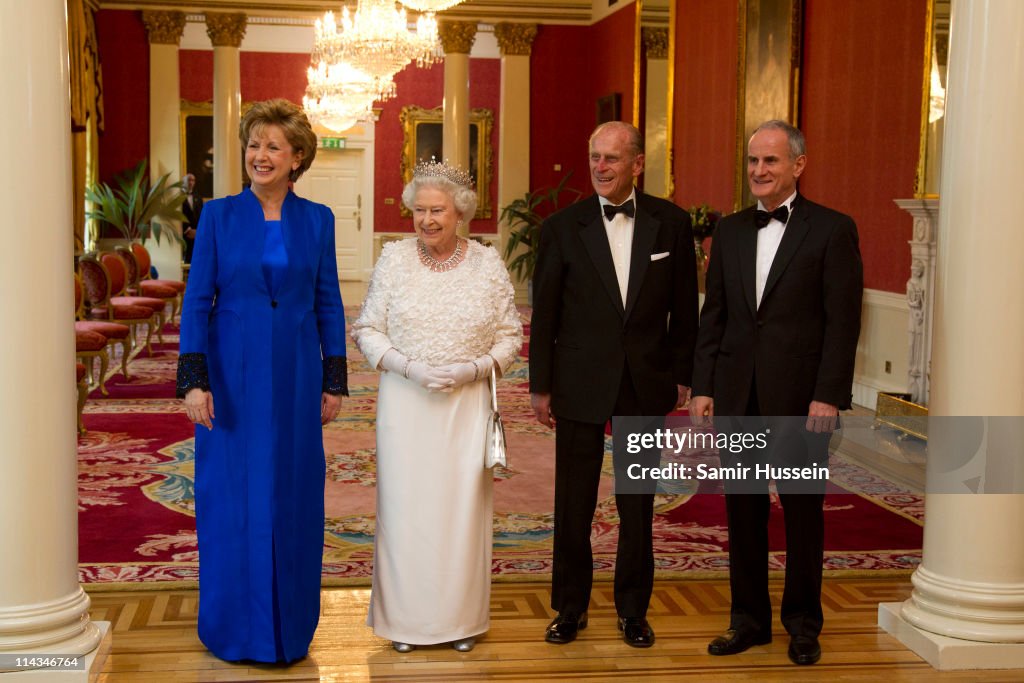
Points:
x=636, y=632
x=735, y=641
x=565, y=627
x=804, y=650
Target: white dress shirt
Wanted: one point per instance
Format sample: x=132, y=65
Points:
x=620, y=240
x=768, y=239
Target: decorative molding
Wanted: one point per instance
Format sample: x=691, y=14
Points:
x=252, y=20
x=225, y=29
x=921, y=294
x=456, y=36
x=877, y=298
x=576, y=12
x=515, y=39
x=163, y=27
x=655, y=42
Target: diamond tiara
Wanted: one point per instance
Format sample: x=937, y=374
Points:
x=432, y=168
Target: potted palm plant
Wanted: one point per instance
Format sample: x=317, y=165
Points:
x=134, y=208
x=524, y=217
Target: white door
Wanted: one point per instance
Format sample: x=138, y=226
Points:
x=335, y=180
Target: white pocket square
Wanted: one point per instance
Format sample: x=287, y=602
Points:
x=658, y=257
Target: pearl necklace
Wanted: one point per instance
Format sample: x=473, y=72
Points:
x=436, y=266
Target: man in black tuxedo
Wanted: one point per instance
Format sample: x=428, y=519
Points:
x=192, y=207
x=613, y=330
x=778, y=337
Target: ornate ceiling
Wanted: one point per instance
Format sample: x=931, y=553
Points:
x=487, y=11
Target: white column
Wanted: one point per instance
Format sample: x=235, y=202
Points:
x=967, y=608
x=515, y=42
x=457, y=38
x=226, y=32
x=43, y=609
x=165, y=29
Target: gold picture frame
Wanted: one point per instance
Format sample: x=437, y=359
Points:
x=422, y=140
x=768, y=76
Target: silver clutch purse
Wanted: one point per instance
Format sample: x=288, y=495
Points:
x=495, y=452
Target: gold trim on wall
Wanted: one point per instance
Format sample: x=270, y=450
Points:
x=926, y=81
x=670, y=168
x=637, y=56
x=764, y=78
x=412, y=116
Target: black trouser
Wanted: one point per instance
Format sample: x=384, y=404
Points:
x=747, y=515
x=579, y=452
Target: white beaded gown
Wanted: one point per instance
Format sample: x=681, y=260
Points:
x=432, y=549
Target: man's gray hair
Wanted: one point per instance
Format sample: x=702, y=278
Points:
x=636, y=138
x=797, y=142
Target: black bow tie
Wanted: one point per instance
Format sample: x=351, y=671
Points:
x=627, y=208
x=762, y=218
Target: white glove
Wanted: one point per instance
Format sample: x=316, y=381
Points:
x=430, y=378
x=464, y=373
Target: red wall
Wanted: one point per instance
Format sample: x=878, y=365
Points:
x=704, y=119
x=861, y=113
x=195, y=69
x=562, y=106
x=124, y=58
x=610, y=58
x=264, y=75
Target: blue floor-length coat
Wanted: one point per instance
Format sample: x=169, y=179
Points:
x=259, y=474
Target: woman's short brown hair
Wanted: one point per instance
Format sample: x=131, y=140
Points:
x=292, y=121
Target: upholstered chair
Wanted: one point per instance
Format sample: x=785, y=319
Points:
x=98, y=286
x=166, y=294
x=118, y=271
x=113, y=333
x=146, y=283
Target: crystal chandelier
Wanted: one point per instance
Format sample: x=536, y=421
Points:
x=377, y=42
x=430, y=5
x=338, y=95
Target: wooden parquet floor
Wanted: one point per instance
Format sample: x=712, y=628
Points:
x=154, y=641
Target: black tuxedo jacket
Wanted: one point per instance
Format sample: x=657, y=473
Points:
x=192, y=212
x=581, y=335
x=801, y=343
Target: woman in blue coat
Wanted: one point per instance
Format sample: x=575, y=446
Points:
x=263, y=337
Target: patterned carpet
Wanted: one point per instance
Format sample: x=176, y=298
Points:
x=136, y=519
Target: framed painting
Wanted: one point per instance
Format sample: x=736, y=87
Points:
x=769, y=74
x=196, y=136
x=423, y=138
x=609, y=108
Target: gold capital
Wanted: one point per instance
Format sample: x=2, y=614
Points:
x=225, y=29
x=457, y=36
x=655, y=42
x=164, y=27
x=515, y=39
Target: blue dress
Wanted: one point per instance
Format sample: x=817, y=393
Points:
x=262, y=328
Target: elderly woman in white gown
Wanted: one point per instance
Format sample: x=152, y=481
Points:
x=439, y=315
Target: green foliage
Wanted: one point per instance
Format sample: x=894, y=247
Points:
x=135, y=208
x=703, y=219
x=524, y=217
